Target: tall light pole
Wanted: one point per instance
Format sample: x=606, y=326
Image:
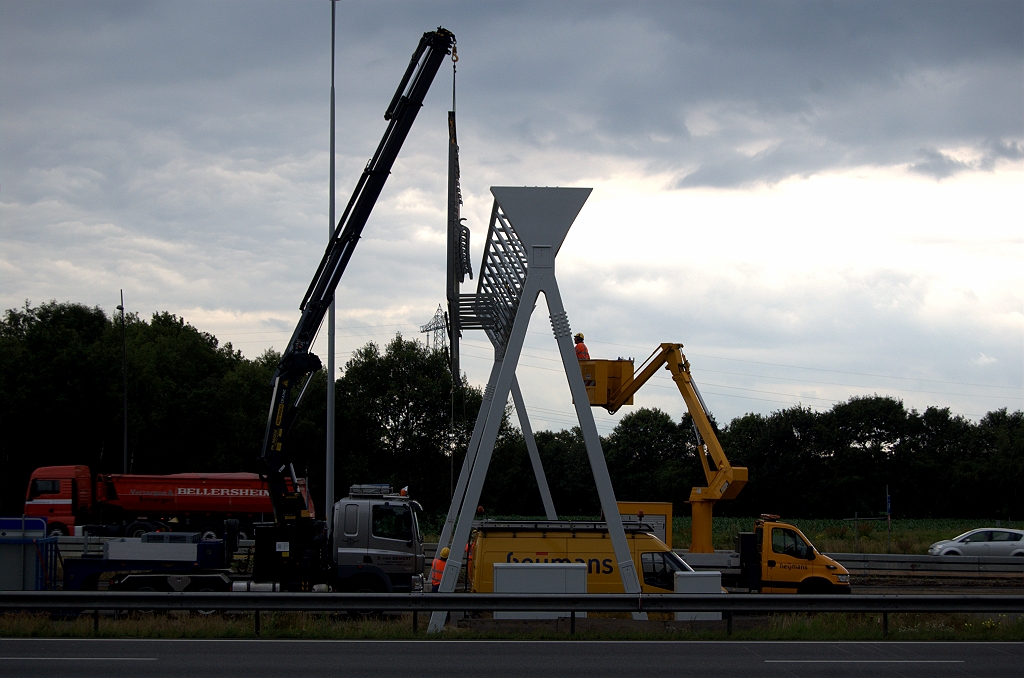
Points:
x=124, y=371
x=329, y=474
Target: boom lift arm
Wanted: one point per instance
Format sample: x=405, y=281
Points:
x=611, y=386
x=297, y=363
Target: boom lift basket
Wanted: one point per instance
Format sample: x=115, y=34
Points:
x=605, y=379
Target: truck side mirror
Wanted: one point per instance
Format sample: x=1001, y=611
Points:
x=810, y=554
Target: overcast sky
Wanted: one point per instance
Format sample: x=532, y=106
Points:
x=819, y=200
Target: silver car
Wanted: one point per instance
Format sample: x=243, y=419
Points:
x=988, y=541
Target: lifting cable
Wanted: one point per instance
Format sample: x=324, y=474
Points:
x=455, y=60
x=451, y=418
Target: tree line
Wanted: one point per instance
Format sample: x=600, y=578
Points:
x=194, y=405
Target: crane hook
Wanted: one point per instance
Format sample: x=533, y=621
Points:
x=455, y=54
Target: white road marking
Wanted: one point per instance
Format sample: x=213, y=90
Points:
x=97, y=659
x=863, y=661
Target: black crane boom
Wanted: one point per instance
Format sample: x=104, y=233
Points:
x=297, y=362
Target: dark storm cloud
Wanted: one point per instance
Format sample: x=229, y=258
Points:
x=782, y=88
x=821, y=85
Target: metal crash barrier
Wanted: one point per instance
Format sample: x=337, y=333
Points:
x=78, y=601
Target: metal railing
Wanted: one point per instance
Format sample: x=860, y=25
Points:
x=591, y=602
x=66, y=602
x=886, y=564
x=948, y=566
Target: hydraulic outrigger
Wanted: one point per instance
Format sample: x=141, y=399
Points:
x=612, y=384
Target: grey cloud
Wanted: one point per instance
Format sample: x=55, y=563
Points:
x=829, y=86
x=894, y=78
x=997, y=149
x=938, y=164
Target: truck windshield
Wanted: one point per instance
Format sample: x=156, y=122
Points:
x=392, y=522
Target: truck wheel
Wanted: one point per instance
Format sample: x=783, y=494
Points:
x=366, y=584
x=137, y=529
x=819, y=586
x=209, y=532
x=206, y=613
x=57, y=530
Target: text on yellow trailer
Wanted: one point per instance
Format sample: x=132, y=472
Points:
x=572, y=542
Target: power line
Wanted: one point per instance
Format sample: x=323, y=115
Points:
x=819, y=383
x=799, y=399
x=816, y=369
x=702, y=355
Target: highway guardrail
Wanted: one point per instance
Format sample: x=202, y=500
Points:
x=882, y=564
x=948, y=566
x=592, y=602
x=66, y=602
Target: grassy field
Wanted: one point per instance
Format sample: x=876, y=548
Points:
x=908, y=536
x=309, y=626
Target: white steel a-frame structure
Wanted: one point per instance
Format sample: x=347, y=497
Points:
x=526, y=230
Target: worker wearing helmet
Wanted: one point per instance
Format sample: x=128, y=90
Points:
x=437, y=569
x=582, y=353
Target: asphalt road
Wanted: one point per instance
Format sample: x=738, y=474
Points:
x=260, y=658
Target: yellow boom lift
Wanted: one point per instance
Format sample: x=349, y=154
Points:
x=612, y=383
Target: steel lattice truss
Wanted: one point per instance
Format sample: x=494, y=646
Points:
x=502, y=278
x=438, y=329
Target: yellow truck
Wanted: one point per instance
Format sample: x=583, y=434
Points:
x=565, y=541
x=775, y=558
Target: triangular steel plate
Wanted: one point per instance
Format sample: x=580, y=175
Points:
x=541, y=216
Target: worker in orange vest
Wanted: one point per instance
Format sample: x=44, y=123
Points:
x=581, y=349
x=437, y=569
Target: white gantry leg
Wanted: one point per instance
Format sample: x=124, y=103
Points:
x=527, y=228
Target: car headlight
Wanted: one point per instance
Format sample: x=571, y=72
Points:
x=843, y=578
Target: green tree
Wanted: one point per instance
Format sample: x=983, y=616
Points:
x=652, y=458
x=192, y=404
x=567, y=467
x=197, y=406
x=1001, y=455
x=56, y=401
x=401, y=421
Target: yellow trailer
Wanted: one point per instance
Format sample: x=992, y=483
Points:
x=572, y=542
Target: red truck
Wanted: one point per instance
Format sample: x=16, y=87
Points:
x=131, y=505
